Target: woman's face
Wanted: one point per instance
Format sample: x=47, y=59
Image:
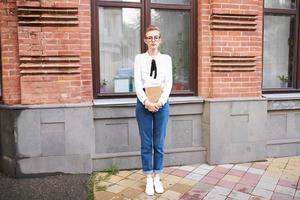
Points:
x=152, y=40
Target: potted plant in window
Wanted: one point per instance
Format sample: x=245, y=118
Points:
x=284, y=79
x=103, y=86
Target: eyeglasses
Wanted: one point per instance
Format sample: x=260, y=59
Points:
x=151, y=38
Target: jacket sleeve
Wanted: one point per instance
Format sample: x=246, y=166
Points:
x=168, y=82
x=138, y=80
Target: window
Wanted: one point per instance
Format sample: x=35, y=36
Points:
x=0, y=72
x=118, y=30
x=281, y=46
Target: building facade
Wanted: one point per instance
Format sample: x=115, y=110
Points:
x=67, y=92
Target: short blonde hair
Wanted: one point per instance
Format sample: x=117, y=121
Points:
x=152, y=28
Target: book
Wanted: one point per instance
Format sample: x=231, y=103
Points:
x=153, y=93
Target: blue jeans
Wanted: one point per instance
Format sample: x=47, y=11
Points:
x=152, y=128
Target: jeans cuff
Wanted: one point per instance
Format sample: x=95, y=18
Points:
x=148, y=172
x=158, y=171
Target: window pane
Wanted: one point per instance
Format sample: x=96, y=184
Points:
x=186, y=2
x=175, y=29
x=278, y=57
x=287, y=4
x=124, y=0
x=119, y=43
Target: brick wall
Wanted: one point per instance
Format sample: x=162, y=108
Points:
x=46, y=50
x=230, y=48
x=52, y=52
x=9, y=50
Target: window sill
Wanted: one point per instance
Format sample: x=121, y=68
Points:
x=132, y=101
x=283, y=96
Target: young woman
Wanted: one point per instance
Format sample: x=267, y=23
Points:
x=152, y=69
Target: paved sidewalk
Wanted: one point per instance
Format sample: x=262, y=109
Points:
x=276, y=179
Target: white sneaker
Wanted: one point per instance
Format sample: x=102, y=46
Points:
x=149, y=187
x=158, y=186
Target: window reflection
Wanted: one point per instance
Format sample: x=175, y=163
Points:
x=119, y=43
x=287, y=4
x=175, y=28
x=278, y=51
x=186, y=2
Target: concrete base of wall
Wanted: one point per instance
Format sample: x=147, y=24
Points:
x=40, y=140
x=234, y=130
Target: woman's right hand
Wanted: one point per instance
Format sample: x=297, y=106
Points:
x=152, y=107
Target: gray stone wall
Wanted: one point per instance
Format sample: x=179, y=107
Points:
x=116, y=137
x=38, y=140
x=283, y=131
x=7, y=141
x=234, y=130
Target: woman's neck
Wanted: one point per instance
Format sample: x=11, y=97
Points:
x=153, y=52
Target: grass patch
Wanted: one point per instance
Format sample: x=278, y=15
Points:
x=93, y=179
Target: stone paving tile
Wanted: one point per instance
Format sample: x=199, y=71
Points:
x=231, y=178
x=240, y=167
x=239, y=195
x=248, y=182
x=196, y=177
x=170, y=180
x=201, y=171
x=171, y=195
x=214, y=196
x=115, y=188
x=130, y=193
x=188, y=181
x=235, y=172
x=262, y=193
x=162, y=198
x=226, y=184
x=243, y=188
x=267, y=186
x=209, y=180
x=275, y=179
x=179, y=172
x=187, y=168
x=138, y=186
x=256, y=198
x=249, y=164
x=144, y=196
x=272, y=174
x=206, y=166
x=135, y=176
x=285, y=190
x=114, y=179
x=125, y=173
x=215, y=174
x=194, y=194
x=204, y=187
x=285, y=183
x=222, y=170
x=278, y=196
x=254, y=177
x=228, y=166
x=259, y=166
x=168, y=170
x=103, y=195
x=256, y=171
x=181, y=188
x=126, y=182
x=297, y=193
x=221, y=190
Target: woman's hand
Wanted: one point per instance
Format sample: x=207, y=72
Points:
x=152, y=107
